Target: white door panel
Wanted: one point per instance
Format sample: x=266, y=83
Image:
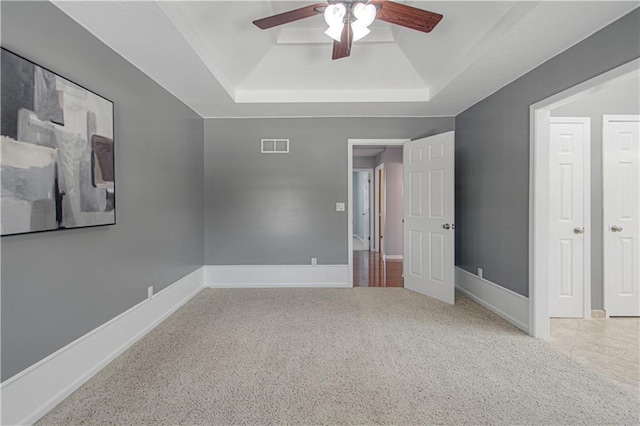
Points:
x=569, y=220
x=429, y=214
x=621, y=199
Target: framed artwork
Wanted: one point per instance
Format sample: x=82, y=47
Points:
x=57, y=168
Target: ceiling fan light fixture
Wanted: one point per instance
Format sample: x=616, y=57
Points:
x=359, y=31
x=334, y=14
x=365, y=13
x=335, y=31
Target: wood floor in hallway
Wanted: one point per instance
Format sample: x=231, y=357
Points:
x=369, y=270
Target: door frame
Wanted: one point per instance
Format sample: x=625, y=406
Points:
x=586, y=260
x=539, y=117
x=377, y=226
x=371, y=201
x=350, y=144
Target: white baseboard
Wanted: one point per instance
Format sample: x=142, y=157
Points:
x=505, y=303
x=392, y=257
x=360, y=238
x=262, y=276
x=30, y=394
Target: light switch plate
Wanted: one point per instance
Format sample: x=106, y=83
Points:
x=339, y=207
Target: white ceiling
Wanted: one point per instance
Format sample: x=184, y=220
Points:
x=210, y=56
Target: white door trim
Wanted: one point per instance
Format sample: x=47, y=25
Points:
x=376, y=208
x=539, y=116
x=350, y=144
x=370, y=171
x=586, y=185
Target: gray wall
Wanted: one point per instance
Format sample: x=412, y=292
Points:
x=57, y=286
x=364, y=162
x=279, y=209
x=621, y=98
x=492, y=154
x=394, y=180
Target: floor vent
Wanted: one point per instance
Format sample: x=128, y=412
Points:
x=275, y=146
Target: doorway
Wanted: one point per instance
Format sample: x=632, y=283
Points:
x=377, y=205
x=425, y=195
x=560, y=266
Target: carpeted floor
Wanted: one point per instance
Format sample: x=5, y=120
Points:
x=341, y=356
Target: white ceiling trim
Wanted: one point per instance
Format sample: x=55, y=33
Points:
x=326, y=96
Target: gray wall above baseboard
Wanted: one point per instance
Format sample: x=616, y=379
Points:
x=492, y=154
x=280, y=209
x=57, y=286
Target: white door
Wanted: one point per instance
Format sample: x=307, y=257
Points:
x=621, y=200
x=428, y=216
x=569, y=264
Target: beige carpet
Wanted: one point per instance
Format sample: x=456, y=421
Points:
x=341, y=356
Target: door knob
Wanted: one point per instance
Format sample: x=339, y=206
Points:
x=446, y=226
x=616, y=228
x=578, y=230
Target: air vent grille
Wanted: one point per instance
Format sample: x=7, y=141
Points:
x=275, y=146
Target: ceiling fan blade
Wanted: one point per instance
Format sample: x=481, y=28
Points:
x=342, y=48
x=290, y=16
x=407, y=16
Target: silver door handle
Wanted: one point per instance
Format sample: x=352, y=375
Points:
x=446, y=226
x=616, y=228
x=578, y=230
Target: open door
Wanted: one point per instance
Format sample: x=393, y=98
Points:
x=429, y=213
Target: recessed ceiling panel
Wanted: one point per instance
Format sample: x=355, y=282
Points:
x=211, y=56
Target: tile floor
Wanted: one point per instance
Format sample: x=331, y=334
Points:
x=610, y=346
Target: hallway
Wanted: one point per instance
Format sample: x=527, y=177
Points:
x=369, y=270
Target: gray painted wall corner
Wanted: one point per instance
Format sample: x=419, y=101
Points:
x=54, y=295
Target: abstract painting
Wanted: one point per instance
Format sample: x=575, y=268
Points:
x=57, y=166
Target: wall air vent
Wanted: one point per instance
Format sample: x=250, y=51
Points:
x=275, y=146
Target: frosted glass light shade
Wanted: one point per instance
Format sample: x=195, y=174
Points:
x=365, y=13
x=334, y=14
x=335, y=31
x=359, y=31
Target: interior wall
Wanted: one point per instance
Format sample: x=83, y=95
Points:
x=57, y=286
x=358, y=181
x=364, y=162
x=621, y=98
x=280, y=209
x=492, y=154
x=393, y=235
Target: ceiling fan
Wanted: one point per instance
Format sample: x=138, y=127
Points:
x=348, y=19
